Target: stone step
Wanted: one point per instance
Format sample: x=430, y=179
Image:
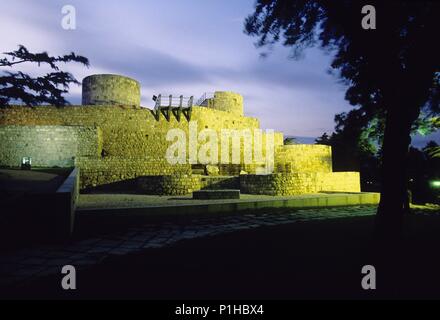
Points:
x=198, y=171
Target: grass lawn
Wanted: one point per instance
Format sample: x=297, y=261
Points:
x=317, y=259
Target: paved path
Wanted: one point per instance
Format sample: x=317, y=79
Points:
x=111, y=201
x=43, y=260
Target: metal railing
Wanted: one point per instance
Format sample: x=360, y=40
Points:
x=202, y=101
x=170, y=101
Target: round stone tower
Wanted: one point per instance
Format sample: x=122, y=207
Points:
x=227, y=101
x=110, y=89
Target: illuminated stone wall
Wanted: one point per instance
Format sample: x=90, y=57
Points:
x=102, y=171
x=303, y=158
x=300, y=183
x=182, y=184
x=127, y=131
x=177, y=184
x=227, y=101
x=130, y=142
x=48, y=146
x=340, y=181
x=110, y=89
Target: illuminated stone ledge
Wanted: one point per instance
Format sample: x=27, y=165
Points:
x=300, y=183
x=181, y=184
x=273, y=184
x=181, y=206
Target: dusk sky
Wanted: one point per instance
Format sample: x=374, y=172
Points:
x=183, y=47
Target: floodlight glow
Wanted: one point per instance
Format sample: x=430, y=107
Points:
x=26, y=160
x=435, y=183
x=26, y=163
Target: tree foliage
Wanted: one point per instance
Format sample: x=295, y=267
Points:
x=391, y=72
x=366, y=60
x=16, y=86
x=354, y=147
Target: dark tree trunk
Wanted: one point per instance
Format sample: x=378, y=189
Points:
x=394, y=192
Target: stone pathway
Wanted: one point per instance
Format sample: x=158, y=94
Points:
x=43, y=260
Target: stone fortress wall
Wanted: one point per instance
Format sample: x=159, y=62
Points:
x=113, y=139
x=105, y=89
x=227, y=101
x=49, y=146
x=296, y=183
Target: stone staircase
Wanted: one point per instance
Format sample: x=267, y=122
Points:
x=198, y=169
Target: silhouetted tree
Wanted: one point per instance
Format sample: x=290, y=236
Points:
x=432, y=149
x=432, y=153
x=324, y=139
x=393, y=70
x=49, y=88
x=290, y=141
x=423, y=168
x=356, y=139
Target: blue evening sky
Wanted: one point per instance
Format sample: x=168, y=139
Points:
x=183, y=47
